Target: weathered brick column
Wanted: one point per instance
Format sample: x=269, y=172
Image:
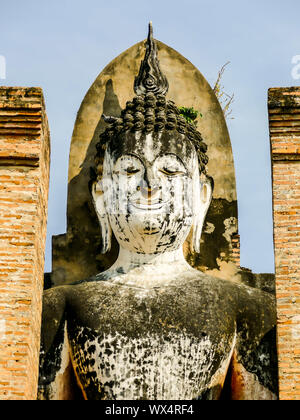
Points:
x=284, y=120
x=24, y=176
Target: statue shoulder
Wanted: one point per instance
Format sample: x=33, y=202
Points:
x=252, y=306
x=102, y=277
x=56, y=296
x=257, y=304
x=217, y=285
x=81, y=291
x=242, y=293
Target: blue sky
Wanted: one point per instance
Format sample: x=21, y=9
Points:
x=62, y=45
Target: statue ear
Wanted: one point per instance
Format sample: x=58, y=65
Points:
x=203, y=200
x=98, y=198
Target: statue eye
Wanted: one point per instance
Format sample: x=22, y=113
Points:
x=171, y=172
x=131, y=170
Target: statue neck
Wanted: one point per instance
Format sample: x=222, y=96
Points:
x=128, y=260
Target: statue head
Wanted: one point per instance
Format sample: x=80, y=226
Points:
x=150, y=185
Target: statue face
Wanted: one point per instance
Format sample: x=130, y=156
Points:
x=149, y=184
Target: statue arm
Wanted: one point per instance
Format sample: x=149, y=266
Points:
x=254, y=362
x=55, y=374
x=252, y=382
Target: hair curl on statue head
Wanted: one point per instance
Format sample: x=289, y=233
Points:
x=150, y=113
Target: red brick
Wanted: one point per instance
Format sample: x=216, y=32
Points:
x=285, y=150
x=24, y=178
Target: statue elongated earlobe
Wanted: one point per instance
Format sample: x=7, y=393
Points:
x=98, y=198
x=203, y=200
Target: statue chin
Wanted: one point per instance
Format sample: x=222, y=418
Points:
x=147, y=233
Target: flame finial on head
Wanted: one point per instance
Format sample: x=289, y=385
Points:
x=150, y=77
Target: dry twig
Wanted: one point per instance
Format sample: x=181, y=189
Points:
x=224, y=99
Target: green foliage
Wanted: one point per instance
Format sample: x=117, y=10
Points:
x=190, y=114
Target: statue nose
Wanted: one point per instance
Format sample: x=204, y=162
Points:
x=148, y=191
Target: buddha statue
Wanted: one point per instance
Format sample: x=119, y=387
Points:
x=152, y=327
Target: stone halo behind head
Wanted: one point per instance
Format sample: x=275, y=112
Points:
x=149, y=111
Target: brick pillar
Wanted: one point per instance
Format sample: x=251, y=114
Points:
x=24, y=176
x=284, y=122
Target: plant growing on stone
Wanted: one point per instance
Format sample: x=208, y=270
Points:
x=190, y=114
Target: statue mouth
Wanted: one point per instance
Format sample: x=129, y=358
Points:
x=151, y=232
x=148, y=205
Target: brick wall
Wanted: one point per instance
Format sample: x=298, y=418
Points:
x=284, y=122
x=24, y=175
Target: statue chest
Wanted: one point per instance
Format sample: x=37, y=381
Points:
x=164, y=346
x=170, y=366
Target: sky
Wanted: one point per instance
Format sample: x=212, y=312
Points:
x=62, y=46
